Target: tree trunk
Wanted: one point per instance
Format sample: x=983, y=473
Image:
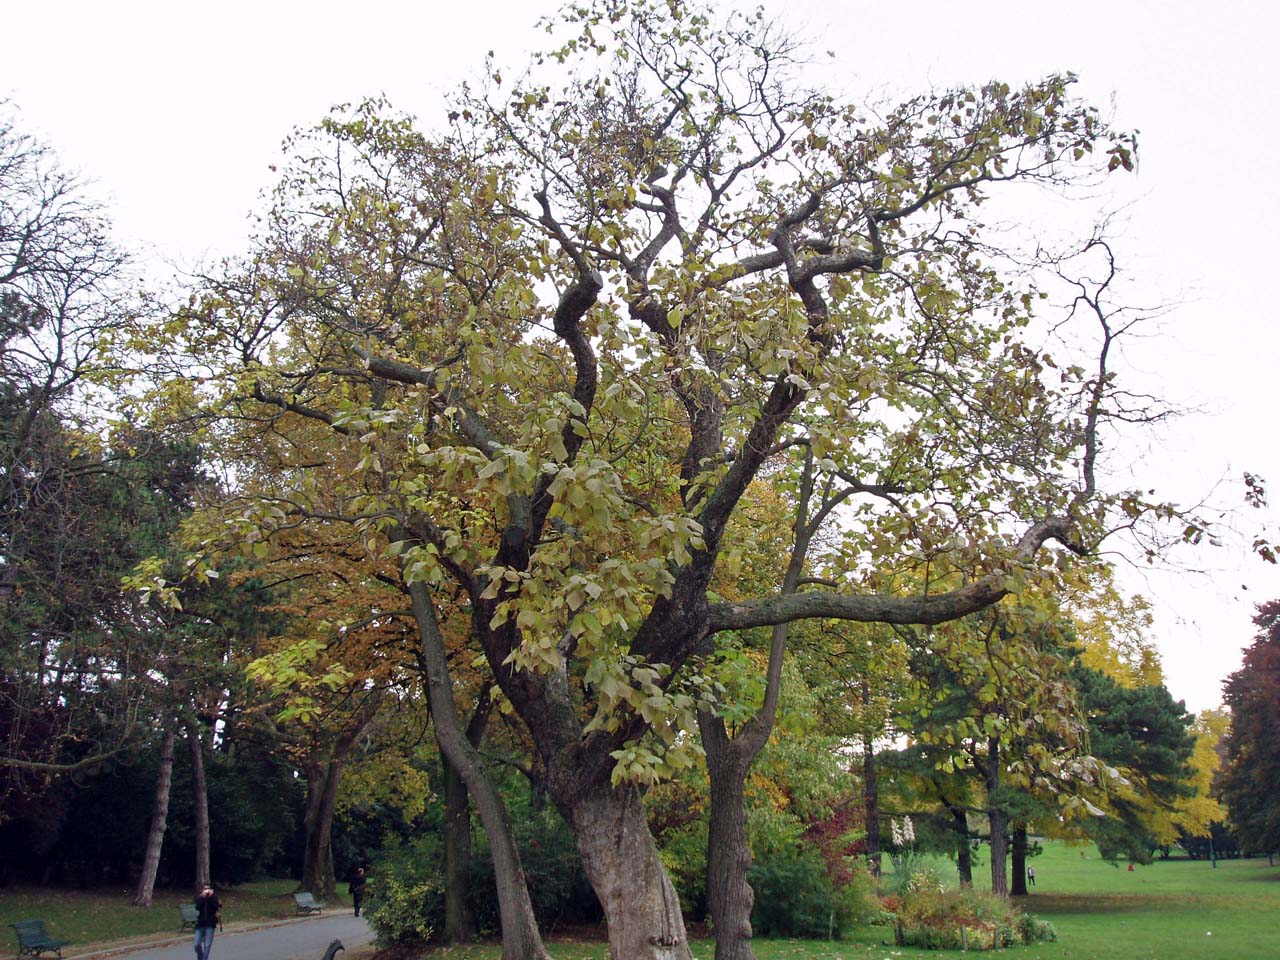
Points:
x=520, y=937
x=871, y=799
x=999, y=852
x=964, y=856
x=159, y=820
x=323, y=780
x=729, y=895
x=621, y=860
x=199, y=803
x=459, y=924
x=999, y=821
x=1018, y=866
x=317, y=858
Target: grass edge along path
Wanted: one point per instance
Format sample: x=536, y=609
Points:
x=99, y=919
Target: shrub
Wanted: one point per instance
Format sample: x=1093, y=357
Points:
x=926, y=914
x=405, y=893
x=795, y=895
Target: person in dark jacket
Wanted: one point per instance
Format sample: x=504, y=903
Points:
x=356, y=889
x=208, y=917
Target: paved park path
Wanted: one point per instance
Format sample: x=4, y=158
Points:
x=302, y=939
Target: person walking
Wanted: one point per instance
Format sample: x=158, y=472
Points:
x=356, y=888
x=1031, y=876
x=208, y=917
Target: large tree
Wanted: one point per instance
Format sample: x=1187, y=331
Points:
x=1251, y=778
x=75, y=508
x=558, y=346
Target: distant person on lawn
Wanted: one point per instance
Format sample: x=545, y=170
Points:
x=1031, y=876
x=208, y=916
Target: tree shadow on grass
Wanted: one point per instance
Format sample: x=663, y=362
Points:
x=1069, y=904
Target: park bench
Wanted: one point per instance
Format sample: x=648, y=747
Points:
x=189, y=915
x=34, y=939
x=306, y=903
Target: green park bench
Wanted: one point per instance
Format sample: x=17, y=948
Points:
x=305, y=903
x=34, y=939
x=189, y=915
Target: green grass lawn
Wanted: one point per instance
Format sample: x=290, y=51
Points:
x=104, y=914
x=1171, y=910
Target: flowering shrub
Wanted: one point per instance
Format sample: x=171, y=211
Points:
x=927, y=914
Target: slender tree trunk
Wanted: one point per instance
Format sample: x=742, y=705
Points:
x=159, y=820
x=323, y=780
x=964, y=857
x=999, y=821
x=621, y=860
x=871, y=797
x=520, y=937
x=459, y=923
x=729, y=895
x=200, y=803
x=1018, y=866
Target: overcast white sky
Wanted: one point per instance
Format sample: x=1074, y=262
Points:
x=176, y=109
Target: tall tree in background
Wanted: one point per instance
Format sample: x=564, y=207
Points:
x=1251, y=779
x=1145, y=735
x=66, y=503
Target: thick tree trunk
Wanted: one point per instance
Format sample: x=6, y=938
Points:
x=159, y=820
x=317, y=859
x=964, y=857
x=621, y=860
x=199, y=803
x=729, y=895
x=520, y=937
x=999, y=852
x=459, y=924
x=1018, y=866
x=314, y=772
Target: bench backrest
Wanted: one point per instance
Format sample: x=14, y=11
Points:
x=304, y=899
x=189, y=912
x=30, y=930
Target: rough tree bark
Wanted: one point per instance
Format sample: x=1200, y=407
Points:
x=621, y=861
x=729, y=895
x=159, y=820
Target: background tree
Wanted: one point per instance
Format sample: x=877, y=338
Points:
x=1251, y=777
x=1142, y=733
